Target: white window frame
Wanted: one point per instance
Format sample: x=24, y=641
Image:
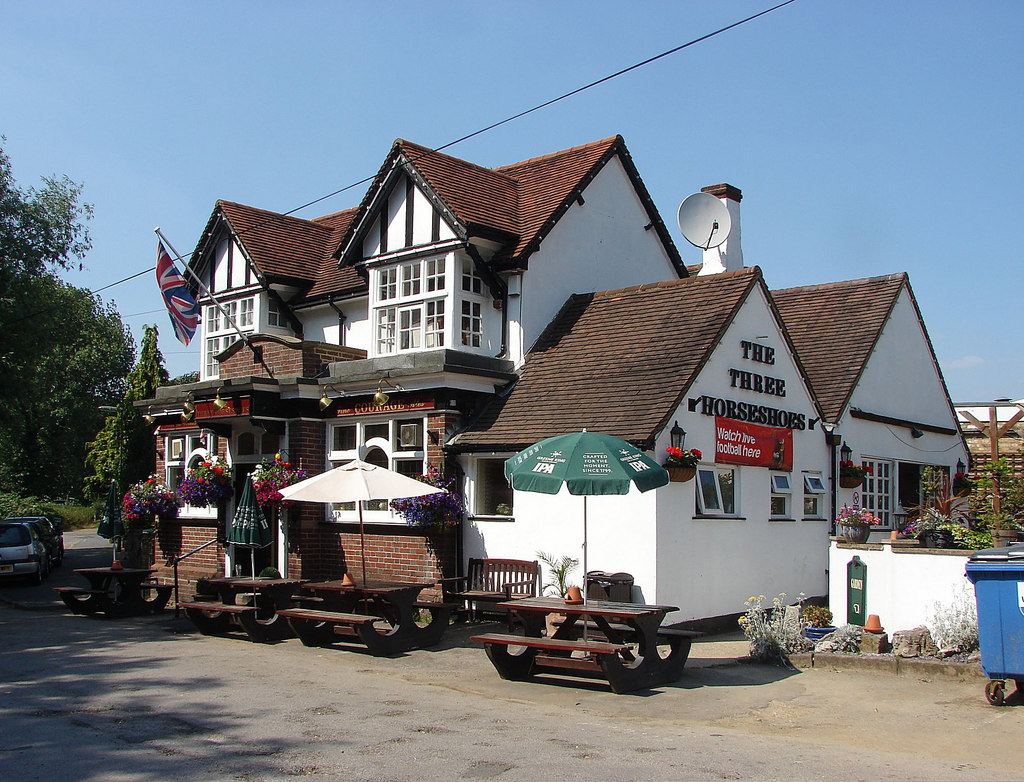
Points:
x=718, y=472
x=219, y=334
x=814, y=492
x=246, y=312
x=274, y=316
x=471, y=324
x=399, y=457
x=182, y=452
x=478, y=495
x=782, y=489
x=409, y=308
x=876, y=494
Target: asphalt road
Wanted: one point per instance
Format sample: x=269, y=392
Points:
x=150, y=699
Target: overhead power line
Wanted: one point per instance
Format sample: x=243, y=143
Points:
x=488, y=128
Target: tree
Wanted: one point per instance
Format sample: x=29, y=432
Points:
x=123, y=448
x=62, y=351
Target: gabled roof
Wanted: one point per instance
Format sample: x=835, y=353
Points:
x=617, y=362
x=285, y=248
x=834, y=358
x=516, y=204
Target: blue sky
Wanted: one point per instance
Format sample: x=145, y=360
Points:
x=868, y=137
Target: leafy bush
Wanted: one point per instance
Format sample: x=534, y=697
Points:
x=773, y=631
x=954, y=625
x=270, y=572
x=817, y=616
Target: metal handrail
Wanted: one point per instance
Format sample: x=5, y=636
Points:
x=186, y=555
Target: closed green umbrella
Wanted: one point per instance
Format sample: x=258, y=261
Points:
x=588, y=463
x=111, y=527
x=249, y=528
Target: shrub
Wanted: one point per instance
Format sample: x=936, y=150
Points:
x=954, y=625
x=817, y=616
x=773, y=631
x=270, y=572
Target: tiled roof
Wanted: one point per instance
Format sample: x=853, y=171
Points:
x=546, y=183
x=478, y=196
x=288, y=247
x=834, y=328
x=616, y=362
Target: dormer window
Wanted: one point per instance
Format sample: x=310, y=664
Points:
x=413, y=313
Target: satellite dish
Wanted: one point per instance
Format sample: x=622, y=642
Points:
x=704, y=220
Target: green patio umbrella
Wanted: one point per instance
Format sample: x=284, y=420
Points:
x=588, y=463
x=249, y=528
x=111, y=527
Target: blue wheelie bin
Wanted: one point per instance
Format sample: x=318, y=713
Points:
x=998, y=578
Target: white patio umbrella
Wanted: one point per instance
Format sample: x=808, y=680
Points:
x=358, y=482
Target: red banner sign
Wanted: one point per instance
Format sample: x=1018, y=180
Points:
x=737, y=442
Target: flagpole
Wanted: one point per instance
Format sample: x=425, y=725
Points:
x=202, y=286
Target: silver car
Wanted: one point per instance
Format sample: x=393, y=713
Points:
x=23, y=552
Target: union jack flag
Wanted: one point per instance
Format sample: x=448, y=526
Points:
x=181, y=306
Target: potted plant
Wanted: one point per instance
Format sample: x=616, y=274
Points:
x=854, y=524
x=681, y=465
x=817, y=622
x=435, y=512
x=208, y=483
x=852, y=475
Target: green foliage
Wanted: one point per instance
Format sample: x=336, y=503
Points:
x=73, y=516
x=999, y=476
x=269, y=572
x=181, y=380
x=62, y=351
x=954, y=625
x=773, y=632
x=558, y=571
x=817, y=616
x=123, y=449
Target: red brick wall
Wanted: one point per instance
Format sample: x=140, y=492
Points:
x=279, y=360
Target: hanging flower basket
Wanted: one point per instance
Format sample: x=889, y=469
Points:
x=208, y=483
x=146, y=499
x=962, y=485
x=852, y=475
x=680, y=474
x=432, y=512
x=269, y=478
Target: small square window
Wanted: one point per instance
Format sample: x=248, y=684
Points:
x=344, y=438
x=813, y=484
x=780, y=483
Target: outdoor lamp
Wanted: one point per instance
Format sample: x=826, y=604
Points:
x=380, y=398
x=149, y=418
x=845, y=453
x=188, y=408
x=324, y=401
x=960, y=466
x=677, y=436
x=219, y=403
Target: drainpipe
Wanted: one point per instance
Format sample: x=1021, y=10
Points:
x=341, y=320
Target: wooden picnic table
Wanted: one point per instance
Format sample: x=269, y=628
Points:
x=380, y=615
x=619, y=643
x=116, y=592
x=257, y=613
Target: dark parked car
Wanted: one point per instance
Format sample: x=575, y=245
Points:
x=23, y=552
x=50, y=531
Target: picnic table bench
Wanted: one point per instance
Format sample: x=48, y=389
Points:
x=380, y=615
x=116, y=592
x=626, y=655
x=253, y=604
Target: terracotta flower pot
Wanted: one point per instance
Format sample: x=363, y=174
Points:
x=573, y=596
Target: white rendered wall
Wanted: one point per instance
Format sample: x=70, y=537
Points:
x=710, y=566
x=901, y=381
x=601, y=245
x=902, y=586
x=620, y=534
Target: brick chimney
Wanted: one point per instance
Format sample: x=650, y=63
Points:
x=728, y=256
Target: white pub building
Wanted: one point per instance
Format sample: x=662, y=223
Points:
x=460, y=313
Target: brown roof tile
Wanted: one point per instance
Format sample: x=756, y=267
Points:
x=832, y=356
x=617, y=362
x=289, y=247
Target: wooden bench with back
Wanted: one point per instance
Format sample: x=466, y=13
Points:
x=493, y=581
